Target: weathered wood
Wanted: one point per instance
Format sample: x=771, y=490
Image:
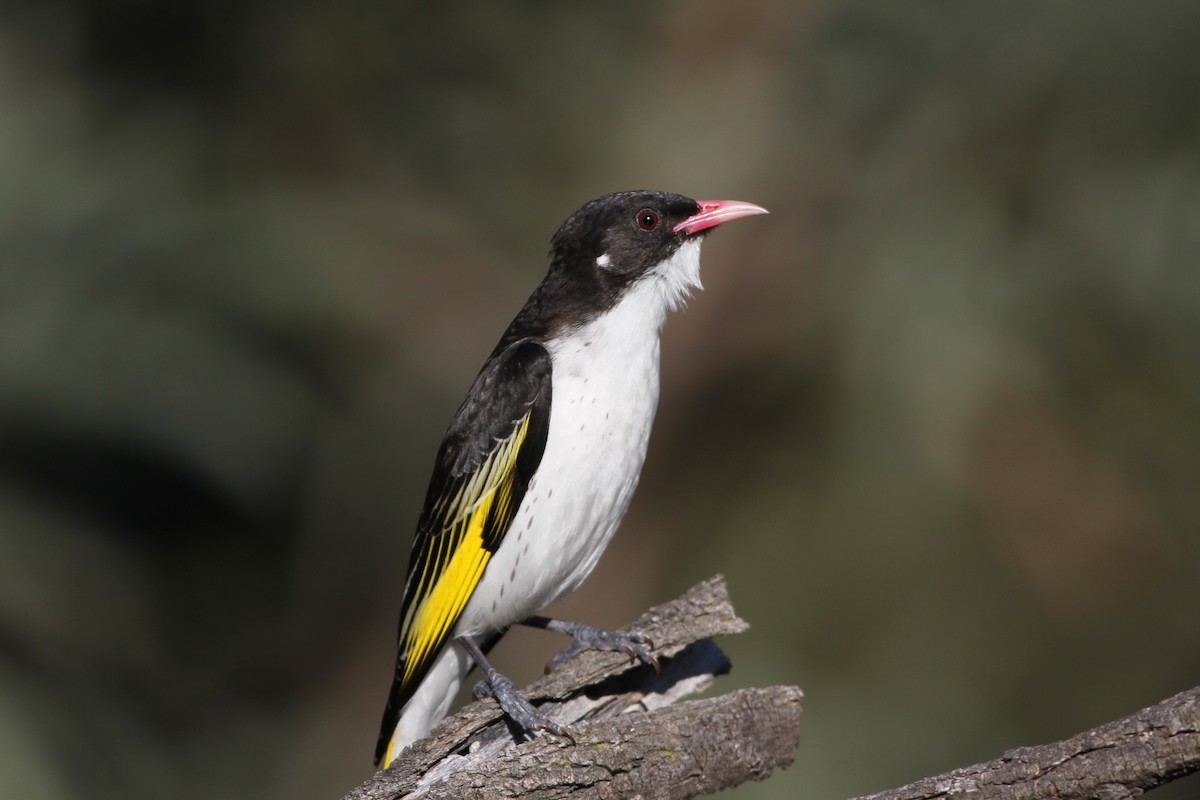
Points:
x=633, y=737
x=1121, y=759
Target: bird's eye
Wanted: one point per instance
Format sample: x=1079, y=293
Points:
x=647, y=219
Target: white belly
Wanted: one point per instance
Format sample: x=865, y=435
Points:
x=604, y=395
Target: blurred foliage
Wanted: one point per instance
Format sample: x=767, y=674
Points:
x=937, y=418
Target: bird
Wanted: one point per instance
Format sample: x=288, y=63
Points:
x=538, y=466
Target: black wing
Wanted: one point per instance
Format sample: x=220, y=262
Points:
x=487, y=458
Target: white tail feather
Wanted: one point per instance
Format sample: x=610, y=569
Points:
x=432, y=700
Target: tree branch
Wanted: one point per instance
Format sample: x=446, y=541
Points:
x=1119, y=760
x=633, y=737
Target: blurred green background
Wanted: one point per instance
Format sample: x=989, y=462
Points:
x=937, y=418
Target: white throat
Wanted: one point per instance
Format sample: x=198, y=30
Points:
x=673, y=281
x=667, y=286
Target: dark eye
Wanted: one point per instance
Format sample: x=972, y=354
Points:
x=647, y=219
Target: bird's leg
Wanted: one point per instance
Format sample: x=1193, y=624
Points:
x=512, y=702
x=635, y=644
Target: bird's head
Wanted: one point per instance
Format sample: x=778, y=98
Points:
x=621, y=240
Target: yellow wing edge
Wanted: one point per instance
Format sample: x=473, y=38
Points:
x=452, y=573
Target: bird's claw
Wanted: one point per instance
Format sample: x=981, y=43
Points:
x=520, y=710
x=555, y=729
x=634, y=643
x=640, y=651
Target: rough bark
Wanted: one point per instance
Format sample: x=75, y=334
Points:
x=633, y=737
x=636, y=739
x=1118, y=760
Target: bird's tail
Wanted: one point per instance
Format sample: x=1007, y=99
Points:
x=428, y=704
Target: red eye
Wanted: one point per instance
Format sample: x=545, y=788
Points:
x=647, y=219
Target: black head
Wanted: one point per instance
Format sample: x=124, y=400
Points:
x=627, y=232
x=610, y=244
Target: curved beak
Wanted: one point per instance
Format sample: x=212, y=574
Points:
x=713, y=212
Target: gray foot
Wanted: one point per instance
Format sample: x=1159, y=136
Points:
x=512, y=702
x=635, y=644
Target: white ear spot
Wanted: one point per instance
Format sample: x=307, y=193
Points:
x=603, y=261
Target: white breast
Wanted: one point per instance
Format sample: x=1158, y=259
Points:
x=604, y=395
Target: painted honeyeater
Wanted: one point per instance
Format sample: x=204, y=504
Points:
x=541, y=459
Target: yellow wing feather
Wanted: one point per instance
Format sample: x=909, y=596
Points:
x=449, y=578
